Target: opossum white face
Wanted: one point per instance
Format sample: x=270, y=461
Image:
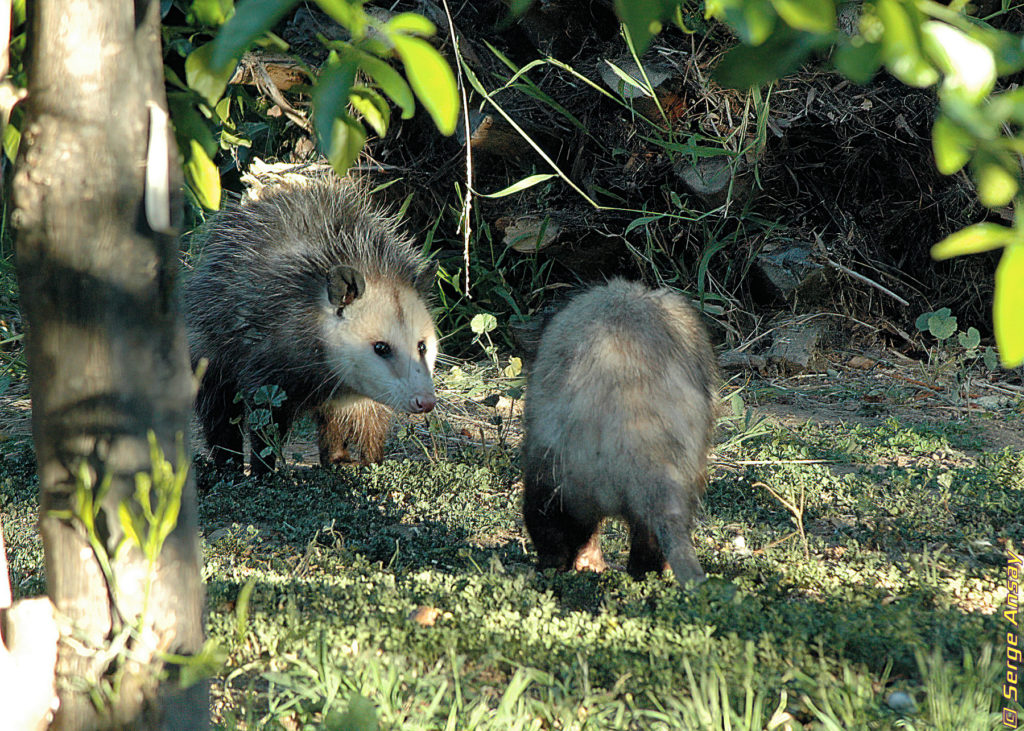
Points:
x=379, y=340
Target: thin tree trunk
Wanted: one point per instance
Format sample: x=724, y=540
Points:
x=105, y=344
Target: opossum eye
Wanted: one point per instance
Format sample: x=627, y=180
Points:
x=421, y=348
x=382, y=349
x=340, y=312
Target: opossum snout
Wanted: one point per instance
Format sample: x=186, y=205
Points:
x=422, y=404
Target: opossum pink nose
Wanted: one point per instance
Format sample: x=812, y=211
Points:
x=423, y=404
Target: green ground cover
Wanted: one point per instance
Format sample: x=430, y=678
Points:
x=404, y=594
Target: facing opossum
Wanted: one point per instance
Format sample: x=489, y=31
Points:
x=311, y=288
x=619, y=418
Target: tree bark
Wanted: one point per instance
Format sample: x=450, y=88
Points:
x=105, y=345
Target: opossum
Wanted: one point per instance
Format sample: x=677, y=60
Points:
x=312, y=288
x=619, y=418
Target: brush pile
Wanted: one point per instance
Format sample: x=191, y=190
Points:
x=813, y=195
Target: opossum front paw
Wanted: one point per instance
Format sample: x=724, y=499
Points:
x=590, y=557
x=333, y=457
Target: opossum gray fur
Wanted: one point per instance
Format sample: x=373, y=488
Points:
x=619, y=417
x=312, y=288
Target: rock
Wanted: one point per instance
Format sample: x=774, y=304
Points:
x=861, y=363
x=994, y=403
x=795, y=346
x=530, y=234
x=790, y=274
x=656, y=74
x=735, y=360
x=258, y=67
x=708, y=175
x=492, y=135
x=901, y=702
x=716, y=179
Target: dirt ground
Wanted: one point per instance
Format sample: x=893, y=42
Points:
x=876, y=387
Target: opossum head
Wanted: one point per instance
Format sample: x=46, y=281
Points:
x=379, y=339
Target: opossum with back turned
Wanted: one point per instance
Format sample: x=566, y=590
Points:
x=619, y=417
x=310, y=287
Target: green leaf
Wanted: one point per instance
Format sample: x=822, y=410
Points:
x=941, y=324
x=921, y=323
x=209, y=661
x=996, y=179
x=349, y=14
x=483, y=322
x=746, y=66
x=189, y=124
x=858, y=61
x=168, y=522
x=972, y=240
x=901, y=46
x=347, y=140
x=813, y=16
x=173, y=79
x=202, y=176
x=223, y=110
x=642, y=19
x=968, y=65
x=527, y=182
x=389, y=81
x=12, y=141
x=752, y=20
x=432, y=79
x=360, y=716
x=951, y=144
x=1006, y=48
x=242, y=608
x=991, y=358
x=643, y=221
x=212, y=12
x=970, y=339
x=330, y=98
x=202, y=77
x=269, y=395
x=1006, y=106
x=124, y=517
x=252, y=19
x=143, y=486
x=372, y=107
x=1008, y=306
x=411, y=24
x=513, y=369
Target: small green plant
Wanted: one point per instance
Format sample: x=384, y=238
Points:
x=316, y=688
x=738, y=423
x=260, y=418
x=795, y=502
x=942, y=325
x=145, y=526
x=482, y=326
x=961, y=695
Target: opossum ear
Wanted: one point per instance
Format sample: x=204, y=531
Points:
x=344, y=284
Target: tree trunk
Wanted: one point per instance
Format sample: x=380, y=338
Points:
x=106, y=347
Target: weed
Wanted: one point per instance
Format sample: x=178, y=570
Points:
x=145, y=527
x=944, y=355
